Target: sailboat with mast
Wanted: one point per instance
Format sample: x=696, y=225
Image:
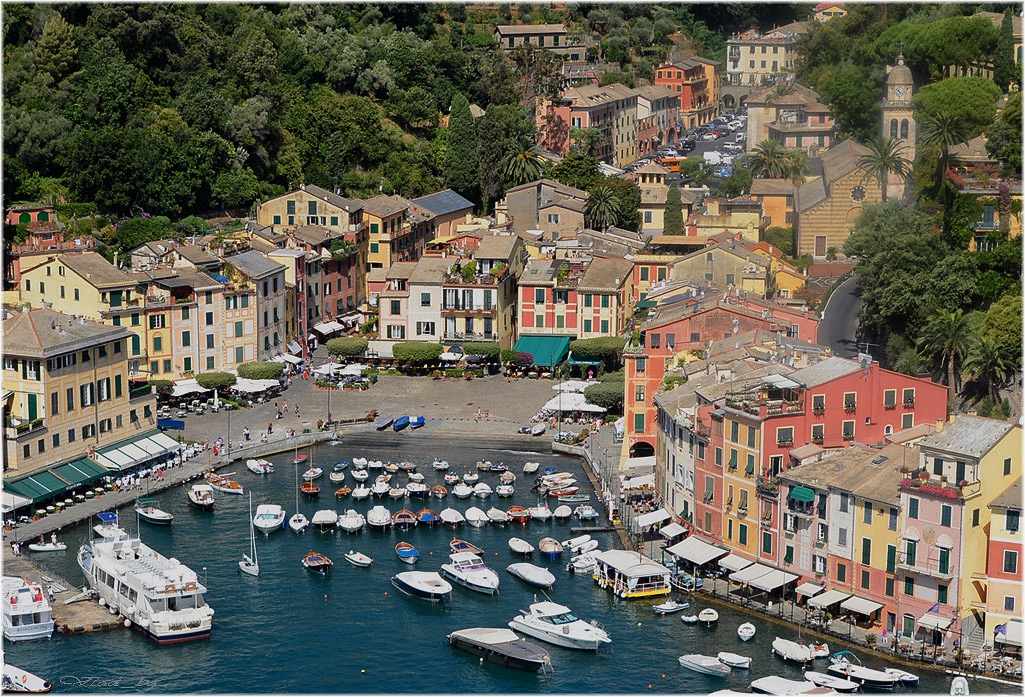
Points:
x=298, y=522
x=249, y=564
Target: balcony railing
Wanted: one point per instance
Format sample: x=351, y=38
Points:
x=769, y=490
x=850, y=407
x=24, y=428
x=137, y=392
x=909, y=403
x=470, y=336
x=926, y=570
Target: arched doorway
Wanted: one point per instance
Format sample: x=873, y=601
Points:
x=727, y=101
x=641, y=449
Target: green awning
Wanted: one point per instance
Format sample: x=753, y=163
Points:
x=732, y=464
x=788, y=558
x=801, y=493
x=39, y=486
x=750, y=469
x=81, y=471
x=548, y=351
x=573, y=360
x=645, y=305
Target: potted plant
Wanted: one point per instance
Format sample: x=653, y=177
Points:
x=870, y=639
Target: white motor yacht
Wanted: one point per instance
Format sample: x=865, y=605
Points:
x=352, y=521
x=269, y=517
x=26, y=611
x=557, y=625
x=201, y=496
x=325, y=519
x=467, y=569
x=379, y=517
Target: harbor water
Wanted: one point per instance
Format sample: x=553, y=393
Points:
x=292, y=631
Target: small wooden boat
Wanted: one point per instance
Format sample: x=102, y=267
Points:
x=562, y=513
x=313, y=473
x=452, y=517
x=498, y=516
x=201, y=496
x=400, y=423
x=457, y=545
x=407, y=552
x=228, y=486
x=404, y=519
x=902, y=675
x=47, y=547
x=260, y=466
x=530, y=467
x=358, y=559
x=708, y=616
x=520, y=546
x=384, y=422
x=558, y=493
x=502, y=647
x=507, y=477
x=534, y=575
x=518, y=514
x=425, y=516
x=550, y=548
x=746, y=631
x=709, y=665
x=300, y=459
x=438, y=491
x=315, y=561
x=831, y=682
x=734, y=660
x=148, y=511
x=416, y=422
x=309, y=489
x=343, y=492
x=669, y=607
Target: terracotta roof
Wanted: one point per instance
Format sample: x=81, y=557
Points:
x=772, y=187
x=348, y=204
x=1009, y=497
x=430, y=270
x=43, y=333
x=498, y=247
x=196, y=255
x=384, y=206
x=607, y=273
x=95, y=269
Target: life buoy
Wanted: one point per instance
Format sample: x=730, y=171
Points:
x=190, y=586
x=169, y=589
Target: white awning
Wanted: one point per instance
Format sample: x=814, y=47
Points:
x=828, y=598
x=12, y=501
x=354, y=369
x=294, y=347
x=696, y=551
x=289, y=358
x=574, y=385
x=150, y=447
x=639, y=463
x=328, y=327
x=1012, y=633
x=133, y=451
x=773, y=580
x=860, y=605
x=645, y=480
x=107, y=462
x=747, y=574
x=643, y=521
x=672, y=530
x=166, y=441
x=250, y=386
x=451, y=357
x=929, y=621
x=329, y=368
x=571, y=401
x=184, y=387
x=808, y=589
x=734, y=562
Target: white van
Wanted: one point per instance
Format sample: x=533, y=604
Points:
x=713, y=157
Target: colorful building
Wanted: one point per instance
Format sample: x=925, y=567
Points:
x=1003, y=570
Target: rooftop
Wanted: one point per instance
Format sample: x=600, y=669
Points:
x=197, y=255
x=348, y=204
x=825, y=371
x=1009, y=497
x=607, y=274
x=521, y=29
x=254, y=265
x=973, y=436
x=443, y=202
x=43, y=333
x=496, y=247
x=95, y=269
x=430, y=270
x=384, y=206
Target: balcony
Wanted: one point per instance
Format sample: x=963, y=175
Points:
x=768, y=490
x=24, y=428
x=470, y=336
x=926, y=571
x=850, y=407
x=939, y=489
x=460, y=307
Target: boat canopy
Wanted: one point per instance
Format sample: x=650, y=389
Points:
x=860, y=605
x=828, y=598
x=632, y=564
x=696, y=551
x=734, y=562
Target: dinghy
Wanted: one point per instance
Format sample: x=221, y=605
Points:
x=534, y=575
x=669, y=606
x=520, y=546
x=831, y=682
x=358, y=559
x=709, y=665
x=734, y=660
x=708, y=616
x=746, y=631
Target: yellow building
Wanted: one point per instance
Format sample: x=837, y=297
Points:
x=826, y=11
x=1004, y=595
x=66, y=389
x=742, y=444
x=311, y=205
x=726, y=265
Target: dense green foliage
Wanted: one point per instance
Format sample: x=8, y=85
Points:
x=215, y=381
x=347, y=346
x=782, y=238
x=607, y=349
x=486, y=350
x=416, y=351
x=673, y=215
x=608, y=393
x=261, y=370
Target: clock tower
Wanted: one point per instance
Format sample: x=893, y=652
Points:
x=899, y=122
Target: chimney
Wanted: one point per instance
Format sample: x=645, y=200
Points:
x=939, y=425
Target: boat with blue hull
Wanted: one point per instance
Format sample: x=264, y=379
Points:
x=416, y=422
x=400, y=423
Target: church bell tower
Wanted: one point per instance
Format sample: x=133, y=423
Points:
x=899, y=122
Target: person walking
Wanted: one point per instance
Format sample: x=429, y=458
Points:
x=297, y=411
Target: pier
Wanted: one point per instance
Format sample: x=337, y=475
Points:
x=79, y=617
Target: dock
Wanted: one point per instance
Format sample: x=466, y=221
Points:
x=593, y=528
x=81, y=616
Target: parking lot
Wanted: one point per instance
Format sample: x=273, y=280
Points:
x=701, y=146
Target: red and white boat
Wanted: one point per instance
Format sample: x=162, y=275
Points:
x=556, y=493
x=518, y=514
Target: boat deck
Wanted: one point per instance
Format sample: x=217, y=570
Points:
x=79, y=617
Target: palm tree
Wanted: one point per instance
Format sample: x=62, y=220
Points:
x=524, y=165
x=797, y=166
x=885, y=158
x=769, y=159
x=602, y=208
x=943, y=130
x=988, y=360
x=945, y=340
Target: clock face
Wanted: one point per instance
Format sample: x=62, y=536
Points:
x=858, y=193
x=899, y=91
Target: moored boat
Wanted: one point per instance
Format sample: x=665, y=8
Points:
x=427, y=585
x=269, y=517
x=400, y=423
x=397, y=492
x=550, y=548
x=467, y=569
x=518, y=514
x=309, y=489
x=147, y=510
x=18, y=680
x=538, y=429
x=450, y=516
x=709, y=665
x=532, y=574
x=259, y=466
x=438, y=491
x=300, y=459
x=358, y=559
x=791, y=651
x=336, y=477
x=520, y=546
x=47, y=547
x=775, y=685
x=384, y=422
x=440, y=465
x=540, y=513
x=360, y=492
x=26, y=611
x=201, y=496
x=379, y=517
x=315, y=561
x=557, y=493
x=831, y=681
x=457, y=545
x=505, y=490
x=351, y=521
x=407, y=552
x=734, y=660
x=669, y=606
x=586, y=512
x=819, y=649
x=404, y=519
x=574, y=544
x=708, y=616
x=498, y=516
x=452, y=478
x=425, y=516
x=557, y=625
x=902, y=675
x=476, y=517
x=228, y=486
x=501, y=647
x=359, y=463
x=418, y=490
x=325, y=519
x=847, y=665
x=342, y=492
x=416, y=422
x=470, y=478
x=361, y=475
x=530, y=467
x=746, y=631
x=313, y=473
x=462, y=490
x=562, y=512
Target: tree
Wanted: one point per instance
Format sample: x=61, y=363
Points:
x=607, y=349
x=943, y=130
x=56, y=51
x=524, y=165
x=738, y=183
x=578, y=170
x=945, y=342
x=215, y=381
x=486, y=350
x=461, y=155
x=989, y=361
x=608, y=395
x=885, y=158
x=853, y=100
x=1003, y=325
x=781, y=238
x=1003, y=137
x=499, y=133
x=628, y=194
x=771, y=160
x=970, y=100
x=602, y=208
x=347, y=346
x=416, y=351
x=261, y=370
x=1004, y=69
x=673, y=215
